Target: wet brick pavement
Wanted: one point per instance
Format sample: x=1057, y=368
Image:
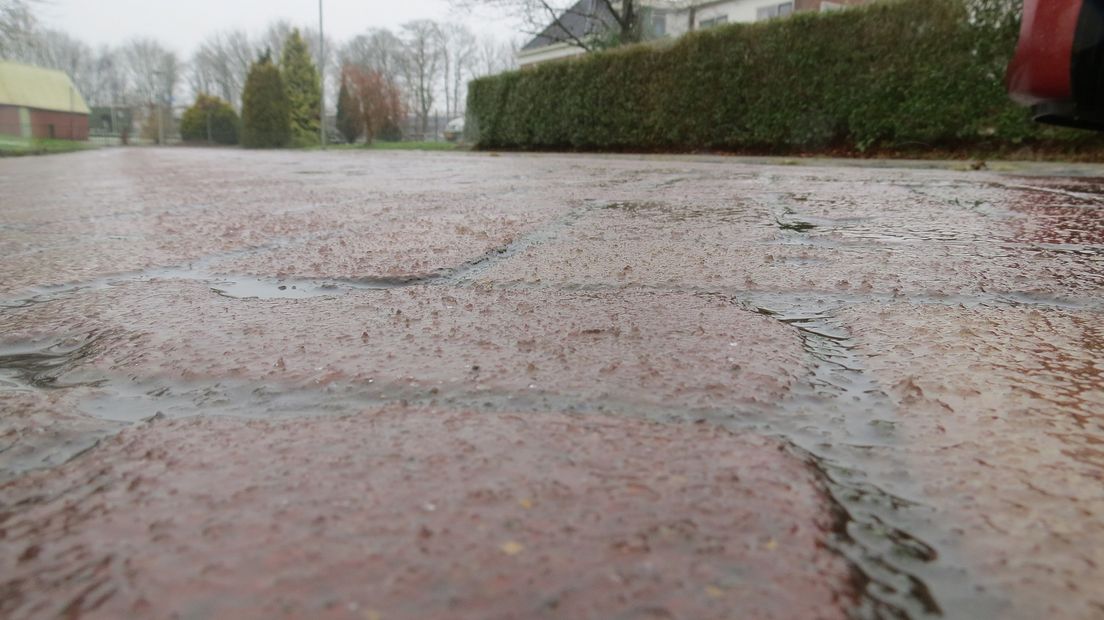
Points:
x=411, y=385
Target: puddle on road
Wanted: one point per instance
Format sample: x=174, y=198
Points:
x=36, y=366
x=247, y=287
x=796, y=226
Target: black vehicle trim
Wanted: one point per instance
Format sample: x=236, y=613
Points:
x=1069, y=114
x=1087, y=61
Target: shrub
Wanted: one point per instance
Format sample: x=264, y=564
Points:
x=899, y=75
x=210, y=120
x=266, y=112
x=390, y=131
x=154, y=119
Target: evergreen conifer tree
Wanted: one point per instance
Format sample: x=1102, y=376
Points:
x=350, y=118
x=266, y=109
x=304, y=89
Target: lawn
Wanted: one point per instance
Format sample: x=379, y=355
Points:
x=401, y=146
x=14, y=147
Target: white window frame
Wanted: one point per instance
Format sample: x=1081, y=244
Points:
x=659, y=24
x=712, y=22
x=774, y=11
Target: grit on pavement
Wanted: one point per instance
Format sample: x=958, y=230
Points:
x=382, y=385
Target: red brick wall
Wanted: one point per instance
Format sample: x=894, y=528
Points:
x=66, y=126
x=9, y=121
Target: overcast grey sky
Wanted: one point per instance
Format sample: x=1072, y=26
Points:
x=182, y=24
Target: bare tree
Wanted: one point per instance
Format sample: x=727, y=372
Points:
x=377, y=50
x=422, y=66
x=221, y=65
x=493, y=56
x=110, y=84
x=54, y=49
x=153, y=71
x=16, y=26
x=586, y=24
x=458, y=54
x=97, y=74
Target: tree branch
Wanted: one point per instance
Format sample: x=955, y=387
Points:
x=556, y=22
x=620, y=19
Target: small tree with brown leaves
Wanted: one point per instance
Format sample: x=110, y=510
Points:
x=378, y=99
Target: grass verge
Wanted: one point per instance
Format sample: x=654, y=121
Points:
x=399, y=146
x=16, y=147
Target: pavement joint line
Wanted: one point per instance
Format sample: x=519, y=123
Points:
x=839, y=487
x=1097, y=198
x=846, y=388
x=197, y=270
x=910, y=581
x=223, y=284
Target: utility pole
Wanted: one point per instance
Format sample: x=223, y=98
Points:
x=322, y=73
x=160, y=97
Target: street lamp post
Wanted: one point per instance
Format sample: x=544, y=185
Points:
x=322, y=73
x=161, y=100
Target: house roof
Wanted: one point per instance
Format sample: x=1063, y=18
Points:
x=34, y=87
x=583, y=19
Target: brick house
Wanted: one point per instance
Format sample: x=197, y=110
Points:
x=40, y=103
x=663, y=19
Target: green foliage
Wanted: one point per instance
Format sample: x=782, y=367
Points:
x=17, y=147
x=210, y=119
x=390, y=132
x=382, y=145
x=304, y=89
x=912, y=74
x=266, y=111
x=350, y=120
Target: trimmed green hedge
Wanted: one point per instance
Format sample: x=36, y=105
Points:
x=912, y=74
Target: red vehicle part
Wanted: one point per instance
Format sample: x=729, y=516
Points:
x=1059, y=64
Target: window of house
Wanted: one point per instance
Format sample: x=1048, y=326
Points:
x=829, y=6
x=713, y=21
x=659, y=24
x=775, y=10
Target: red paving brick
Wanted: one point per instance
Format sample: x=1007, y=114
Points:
x=921, y=346
x=421, y=514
